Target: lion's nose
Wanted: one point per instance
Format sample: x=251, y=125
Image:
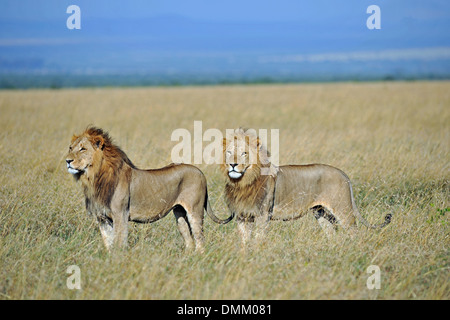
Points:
x=233, y=165
x=69, y=161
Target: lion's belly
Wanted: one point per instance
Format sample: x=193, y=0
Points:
x=149, y=209
x=292, y=207
x=150, y=198
x=148, y=213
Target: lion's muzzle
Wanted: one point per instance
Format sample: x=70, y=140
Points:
x=70, y=169
x=233, y=171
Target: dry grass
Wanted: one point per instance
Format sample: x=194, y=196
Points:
x=392, y=139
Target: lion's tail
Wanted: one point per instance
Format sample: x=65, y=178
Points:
x=212, y=215
x=387, y=218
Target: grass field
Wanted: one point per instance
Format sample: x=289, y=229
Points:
x=392, y=139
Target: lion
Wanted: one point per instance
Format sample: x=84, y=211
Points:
x=116, y=191
x=257, y=191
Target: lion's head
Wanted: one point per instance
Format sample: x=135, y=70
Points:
x=85, y=151
x=96, y=161
x=245, y=157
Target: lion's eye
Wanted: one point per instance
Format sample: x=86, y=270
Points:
x=82, y=149
x=243, y=154
x=228, y=152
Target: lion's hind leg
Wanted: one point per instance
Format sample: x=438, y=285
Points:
x=195, y=220
x=183, y=226
x=326, y=219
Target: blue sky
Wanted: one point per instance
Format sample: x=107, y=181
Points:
x=230, y=10
x=239, y=37
x=319, y=17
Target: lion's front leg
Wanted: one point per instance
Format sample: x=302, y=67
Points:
x=245, y=230
x=106, y=230
x=120, y=215
x=253, y=225
x=120, y=231
x=261, y=226
x=265, y=213
x=114, y=233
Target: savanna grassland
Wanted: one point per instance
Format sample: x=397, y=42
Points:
x=391, y=138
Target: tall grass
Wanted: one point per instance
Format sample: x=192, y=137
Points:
x=392, y=139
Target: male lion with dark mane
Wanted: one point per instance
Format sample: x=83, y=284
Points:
x=117, y=192
x=257, y=191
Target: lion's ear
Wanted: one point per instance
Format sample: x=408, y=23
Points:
x=74, y=137
x=99, y=142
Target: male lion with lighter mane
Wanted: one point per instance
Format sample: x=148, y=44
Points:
x=257, y=191
x=117, y=192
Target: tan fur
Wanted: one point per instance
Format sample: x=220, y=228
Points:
x=117, y=192
x=286, y=192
